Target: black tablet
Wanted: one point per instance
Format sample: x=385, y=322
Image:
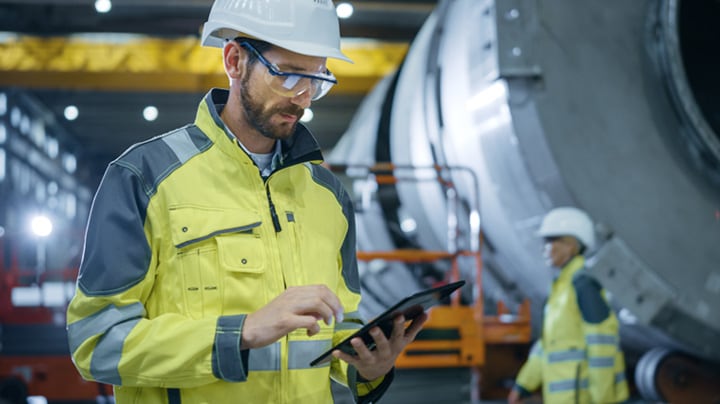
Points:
x=410, y=307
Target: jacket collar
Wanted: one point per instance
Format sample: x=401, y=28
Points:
x=575, y=264
x=299, y=148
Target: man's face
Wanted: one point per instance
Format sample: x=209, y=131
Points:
x=272, y=115
x=274, y=119
x=559, y=250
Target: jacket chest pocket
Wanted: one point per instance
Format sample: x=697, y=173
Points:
x=241, y=254
x=211, y=246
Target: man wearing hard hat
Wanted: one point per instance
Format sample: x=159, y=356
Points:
x=577, y=358
x=220, y=257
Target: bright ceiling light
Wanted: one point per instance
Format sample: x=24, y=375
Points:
x=308, y=115
x=344, y=10
x=41, y=226
x=103, y=6
x=71, y=112
x=150, y=113
x=408, y=225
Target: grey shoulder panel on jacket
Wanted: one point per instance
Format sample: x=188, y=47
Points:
x=592, y=304
x=155, y=159
x=327, y=179
x=120, y=209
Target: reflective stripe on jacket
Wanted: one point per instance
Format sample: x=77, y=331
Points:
x=577, y=359
x=184, y=239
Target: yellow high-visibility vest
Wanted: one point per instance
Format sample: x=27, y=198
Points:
x=578, y=357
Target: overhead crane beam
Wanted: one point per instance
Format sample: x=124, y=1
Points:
x=129, y=63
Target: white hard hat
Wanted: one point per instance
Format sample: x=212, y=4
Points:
x=308, y=27
x=568, y=221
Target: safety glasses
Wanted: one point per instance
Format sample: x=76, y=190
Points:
x=293, y=84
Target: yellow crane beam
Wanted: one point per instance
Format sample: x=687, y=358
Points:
x=152, y=64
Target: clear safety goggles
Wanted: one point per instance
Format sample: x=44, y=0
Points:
x=294, y=84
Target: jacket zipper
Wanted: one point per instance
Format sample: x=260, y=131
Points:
x=273, y=213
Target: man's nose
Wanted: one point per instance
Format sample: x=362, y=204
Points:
x=303, y=100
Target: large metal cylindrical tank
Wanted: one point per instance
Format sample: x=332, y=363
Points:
x=608, y=106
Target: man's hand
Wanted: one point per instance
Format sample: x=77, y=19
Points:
x=378, y=362
x=297, y=307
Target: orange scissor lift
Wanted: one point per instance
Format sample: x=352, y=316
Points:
x=455, y=335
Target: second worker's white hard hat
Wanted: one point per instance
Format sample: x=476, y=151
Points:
x=569, y=221
x=307, y=27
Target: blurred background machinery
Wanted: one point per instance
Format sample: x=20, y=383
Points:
x=609, y=107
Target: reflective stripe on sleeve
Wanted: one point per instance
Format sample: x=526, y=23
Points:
x=265, y=358
x=100, y=322
x=300, y=354
x=348, y=325
x=303, y=352
x=562, y=356
x=567, y=385
x=106, y=356
x=601, y=339
x=602, y=362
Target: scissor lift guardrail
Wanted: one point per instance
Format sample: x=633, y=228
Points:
x=455, y=335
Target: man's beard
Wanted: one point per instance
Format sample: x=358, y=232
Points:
x=259, y=119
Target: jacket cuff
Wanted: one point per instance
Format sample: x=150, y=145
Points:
x=229, y=362
x=365, y=392
x=523, y=391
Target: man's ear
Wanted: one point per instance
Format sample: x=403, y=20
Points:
x=234, y=57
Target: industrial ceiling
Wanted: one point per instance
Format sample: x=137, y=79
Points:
x=146, y=52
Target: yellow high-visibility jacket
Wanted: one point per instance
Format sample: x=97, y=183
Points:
x=578, y=357
x=185, y=238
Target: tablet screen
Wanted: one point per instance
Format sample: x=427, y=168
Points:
x=410, y=307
